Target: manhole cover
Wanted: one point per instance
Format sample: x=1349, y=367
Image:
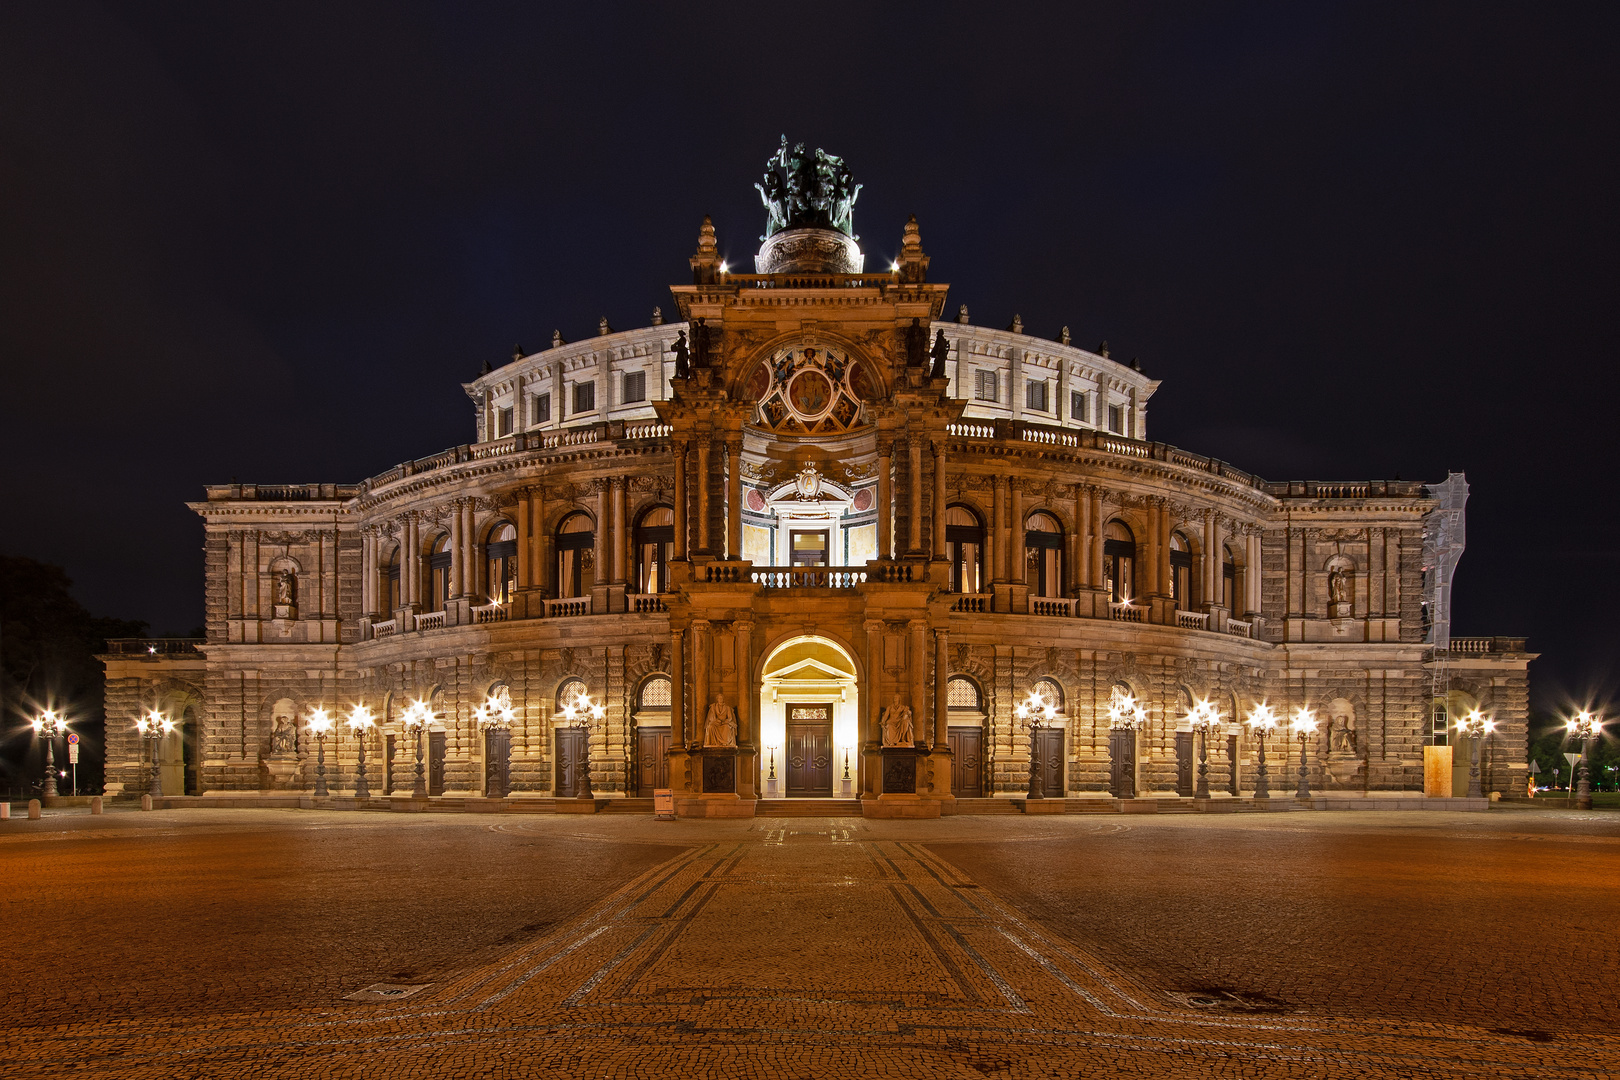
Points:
x=385, y=992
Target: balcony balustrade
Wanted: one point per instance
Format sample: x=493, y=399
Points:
x=1125, y=611
x=569, y=608
x=1239, y=628
x=385, y=629
x=491, y=613
x=807, y=577
x=432, y=620
x=1192, y=620
x=648, y=604
x=1062, y=607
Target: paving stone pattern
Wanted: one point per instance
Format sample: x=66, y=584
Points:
x=822, y=947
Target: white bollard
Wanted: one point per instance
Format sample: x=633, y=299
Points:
x=146, y=802
x=5, y=811
x=33, y=809
x=95, y=804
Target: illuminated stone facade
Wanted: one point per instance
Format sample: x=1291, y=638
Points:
x=822, y=496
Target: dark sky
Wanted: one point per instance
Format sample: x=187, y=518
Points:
x=268, y=241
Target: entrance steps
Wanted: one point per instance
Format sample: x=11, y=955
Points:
x=986, y=806
x=627, y=806
x=808, y=808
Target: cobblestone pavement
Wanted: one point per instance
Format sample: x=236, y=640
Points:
x=212, y=943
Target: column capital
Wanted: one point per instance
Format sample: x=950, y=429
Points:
x=871, y=626
x=917, y=625
x=702, y=624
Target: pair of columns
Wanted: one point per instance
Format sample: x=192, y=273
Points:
x=703, y=450
x=910, y=448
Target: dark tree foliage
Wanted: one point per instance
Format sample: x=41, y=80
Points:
x=48, y=646
x=1550, y=741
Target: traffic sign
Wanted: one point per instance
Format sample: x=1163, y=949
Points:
x=73, y=738
x=73, y=753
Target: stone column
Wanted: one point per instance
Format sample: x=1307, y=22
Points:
x=368, y=570
x=617, y=485
x=914, y=524
x=250, y=575
x=1097, y=540
x=411, y=565
x=680, y=500
x=677, y=691
x=700, y=677
x=745, y=681
x=998, y=525
x=942, y=665
x=918, y=658
x=1253, y=584
x=525, y=557
x=458, y=562
x=1211, y=594
x=939, y=499
x=1080, y=553
x=1166, y=519
x=873, y=629
x=1149, y=585
x=1016, y=571
x=604, y=526
x=703, y=495
x=734, y=498
x=469, y=537
x=885, y=500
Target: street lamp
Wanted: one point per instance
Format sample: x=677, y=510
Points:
x=1264, y=722
x=1126, y=714
x=1303, y=725
x=1204, y=719
x=153, y=726
x=416, y=720
x=1585, y=727
x=360, y=723
x=320, y=723
x=581, y=712
x=48, y=725
x=493, y=713
x=1035, y=712
x=1472, y=725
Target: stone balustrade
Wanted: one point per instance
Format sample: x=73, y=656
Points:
x=1192, y=620
x=1125, y=611
x=153, y=646
x=431, y=620
x=1483, y=646
x=490, y=613
x=569, y=608
x=807, y=577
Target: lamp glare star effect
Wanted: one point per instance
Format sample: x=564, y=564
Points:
x=1264, y=722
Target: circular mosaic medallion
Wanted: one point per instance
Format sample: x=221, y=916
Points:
x=863, y=500
x=810, y=393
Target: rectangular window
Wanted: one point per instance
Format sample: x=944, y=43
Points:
x=635, y=387
x=584, y=397
x=1077, y=407
x=503, y=423
x=541, y=413
x=984, y=385
x=1035, y=395
x=1116, y=419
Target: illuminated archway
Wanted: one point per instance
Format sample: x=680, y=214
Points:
x=809, y=702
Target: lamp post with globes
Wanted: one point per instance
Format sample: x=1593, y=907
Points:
x=1472, y=725
x=1125, y=713
x=582, y=712
x=1586, y=727
x=48, y=725
x=1303, y=725
x=1264, y=722
x=320, y=723
x=1204, y=719
x=416, y=719
x=153, y=726
x=360, y=724
x=1035, y=712
x=493, y=713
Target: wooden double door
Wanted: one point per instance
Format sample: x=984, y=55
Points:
x=809, y=760
x=967, y=761
x=571, y=758
x=652, y=760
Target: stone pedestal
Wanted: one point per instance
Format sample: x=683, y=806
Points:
x=719, y=770
x=899, y=770
x=900, y=796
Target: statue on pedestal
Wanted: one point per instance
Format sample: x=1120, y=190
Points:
x=897, y=726
x=941, y=350
x=720, y=724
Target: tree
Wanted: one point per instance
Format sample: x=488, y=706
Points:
x=48, y=646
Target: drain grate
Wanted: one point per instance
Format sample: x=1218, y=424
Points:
x=385, y=992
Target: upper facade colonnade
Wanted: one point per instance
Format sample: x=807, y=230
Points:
x=1001, y=374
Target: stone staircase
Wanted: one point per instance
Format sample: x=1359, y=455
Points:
x=808, y=808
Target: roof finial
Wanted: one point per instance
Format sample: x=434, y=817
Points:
x=602, y=327
x=1063, y=336
x=1017, y=326
x=517, y=353
x=962, y=315
x=1102, y=350
x=557, y=341
x=658, y=316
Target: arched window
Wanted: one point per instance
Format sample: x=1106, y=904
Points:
x=576, y=565
x=655, y=693
x=1043, y=554
x=962, y=695
x=655, y=544
x=569, y=692
x=395, y=600
x=1119, y=562
x=439, y=568
x=1181, y=572
x=964, y=546
x=1050, y=691
x=1228, y=580
x=501, y=553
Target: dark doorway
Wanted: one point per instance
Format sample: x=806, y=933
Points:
x=967, y=761
x=1184, y=764
x=1049, y=755
x=435, y=763
x=809, y=755
x=808, y=548
x=388, y=767
x=1122, y=763
x=497, y=762
x=652, y=760
x=570, y=759
x=1232, y=759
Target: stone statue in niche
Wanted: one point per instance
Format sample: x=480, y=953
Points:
x=720, y=724
x=1338, y=584
x=700, y=344
x=897, y=726
x=683, y=356
x=1341, y=727
x=286, y=604
x=941, y=351
x=283, y=728
x=916, y=344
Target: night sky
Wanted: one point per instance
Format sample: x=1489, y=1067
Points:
x=267, y=242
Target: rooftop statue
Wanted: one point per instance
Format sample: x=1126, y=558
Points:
x=801, y=190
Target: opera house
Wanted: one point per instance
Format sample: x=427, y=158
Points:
x=818, y=535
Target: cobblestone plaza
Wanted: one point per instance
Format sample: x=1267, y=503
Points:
x=207, y=943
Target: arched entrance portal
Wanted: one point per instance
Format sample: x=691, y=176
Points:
x=809, y=721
